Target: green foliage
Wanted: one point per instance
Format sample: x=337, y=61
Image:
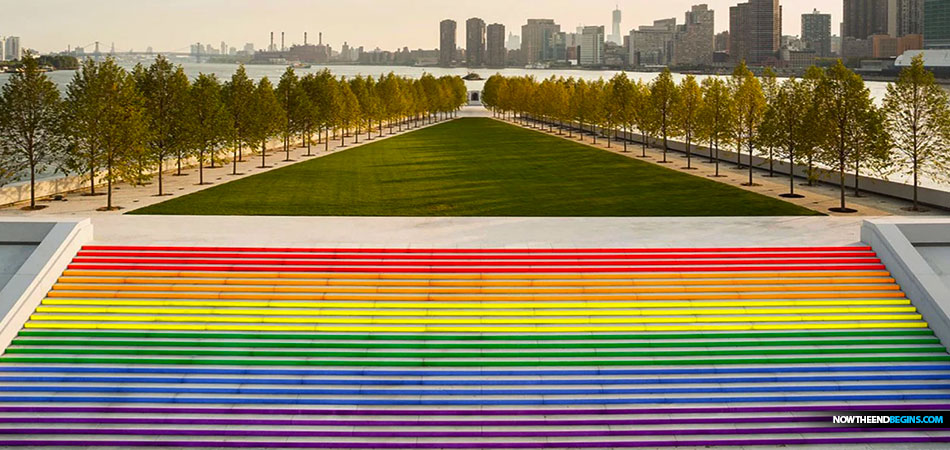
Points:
x=30, y=138
x=686, y=114
x=106, y=123
x=58, y=62
x=845, y=103
x=164, y=89
x=239, y=99
x=664, y=98
x=918, y=119
x=208, y=119
x=475, y=167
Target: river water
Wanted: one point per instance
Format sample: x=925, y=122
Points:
x=256, y=72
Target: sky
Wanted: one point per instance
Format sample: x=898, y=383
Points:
x=172, y=25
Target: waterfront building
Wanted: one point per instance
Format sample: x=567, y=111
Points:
x=695, y=40
x=495, y=42
x=865, y=18
x=592, y=46
x=538, y=41
x=721, y=42
x=937, y=24
x=615, y=34
x=816, y=33
x=475, y=42
x=652, y=45
x=910, y=17
x=755, y=31
x=447, y=44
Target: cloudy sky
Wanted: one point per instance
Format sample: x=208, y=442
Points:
x=171, y=25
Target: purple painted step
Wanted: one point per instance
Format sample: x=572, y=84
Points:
x=473, y=412
x=480, y=445
x=451, y=434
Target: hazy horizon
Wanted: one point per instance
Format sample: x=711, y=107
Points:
x=173, y=25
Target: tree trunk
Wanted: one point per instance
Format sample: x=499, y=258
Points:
x=160, y=190
x=263, y=154
x=857, y=179
x=326, y=142
x=201, y=167
x=689, y=153
x=179, y=164
x=751, y=183
x=92, y=180
x=33, y=185
x=791, y=172
x=916, y=205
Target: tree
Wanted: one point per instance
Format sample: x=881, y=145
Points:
x=789, y=125
x=208, y=119
x=686, y=114
x=82, y=110
x=642, y=114
x=238, y=96
x=813, y=80
x=164, y=88
x=268, y=116
x=918, y=118
x=750, y=108
x=716, y=115
x=350, y=112
x=593, y=107
x=664, y=97
x=770, y=89
x=30, y=138
x=292, y=102
x=310, y=112
x=845, y=101
x=106, y=113
x=323, y=93
x=872, y=144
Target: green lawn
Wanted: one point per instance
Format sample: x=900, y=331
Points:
x=475, y=167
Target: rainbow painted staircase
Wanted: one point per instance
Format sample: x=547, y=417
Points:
x=465, y=349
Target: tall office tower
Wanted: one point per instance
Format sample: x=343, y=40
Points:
x=475, y=42
x=816, y=33
x=592, y=46
x=910, y=17
x=615, y=35
x=447, y=45
x=755, y=31
x=224, y=48
x=937, y=24
x=497, y=53
x=538, y=38
x=696, y=39
x=865, y=18
x=3, y=49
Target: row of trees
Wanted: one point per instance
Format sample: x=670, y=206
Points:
x=113, y=124
x=825, y=119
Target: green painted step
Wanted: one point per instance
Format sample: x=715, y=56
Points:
x=483, y=346
x=437, y=363
x=471, y=337
x=464, y=355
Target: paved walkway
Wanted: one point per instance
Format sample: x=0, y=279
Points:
x=130, y=197
x=819, y=197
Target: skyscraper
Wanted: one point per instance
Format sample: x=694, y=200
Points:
x=615, y=35
x=475, y=42
x=816, y=33
x=497, y=53
x=865, y=18
x=695, y=39
x=910, y=17
x=937, y=24
x=652, y=45
x=537, y=40
x=755, y=31
x=592, y=46
x=447, y=45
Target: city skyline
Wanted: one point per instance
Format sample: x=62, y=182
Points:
x=240, y=21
